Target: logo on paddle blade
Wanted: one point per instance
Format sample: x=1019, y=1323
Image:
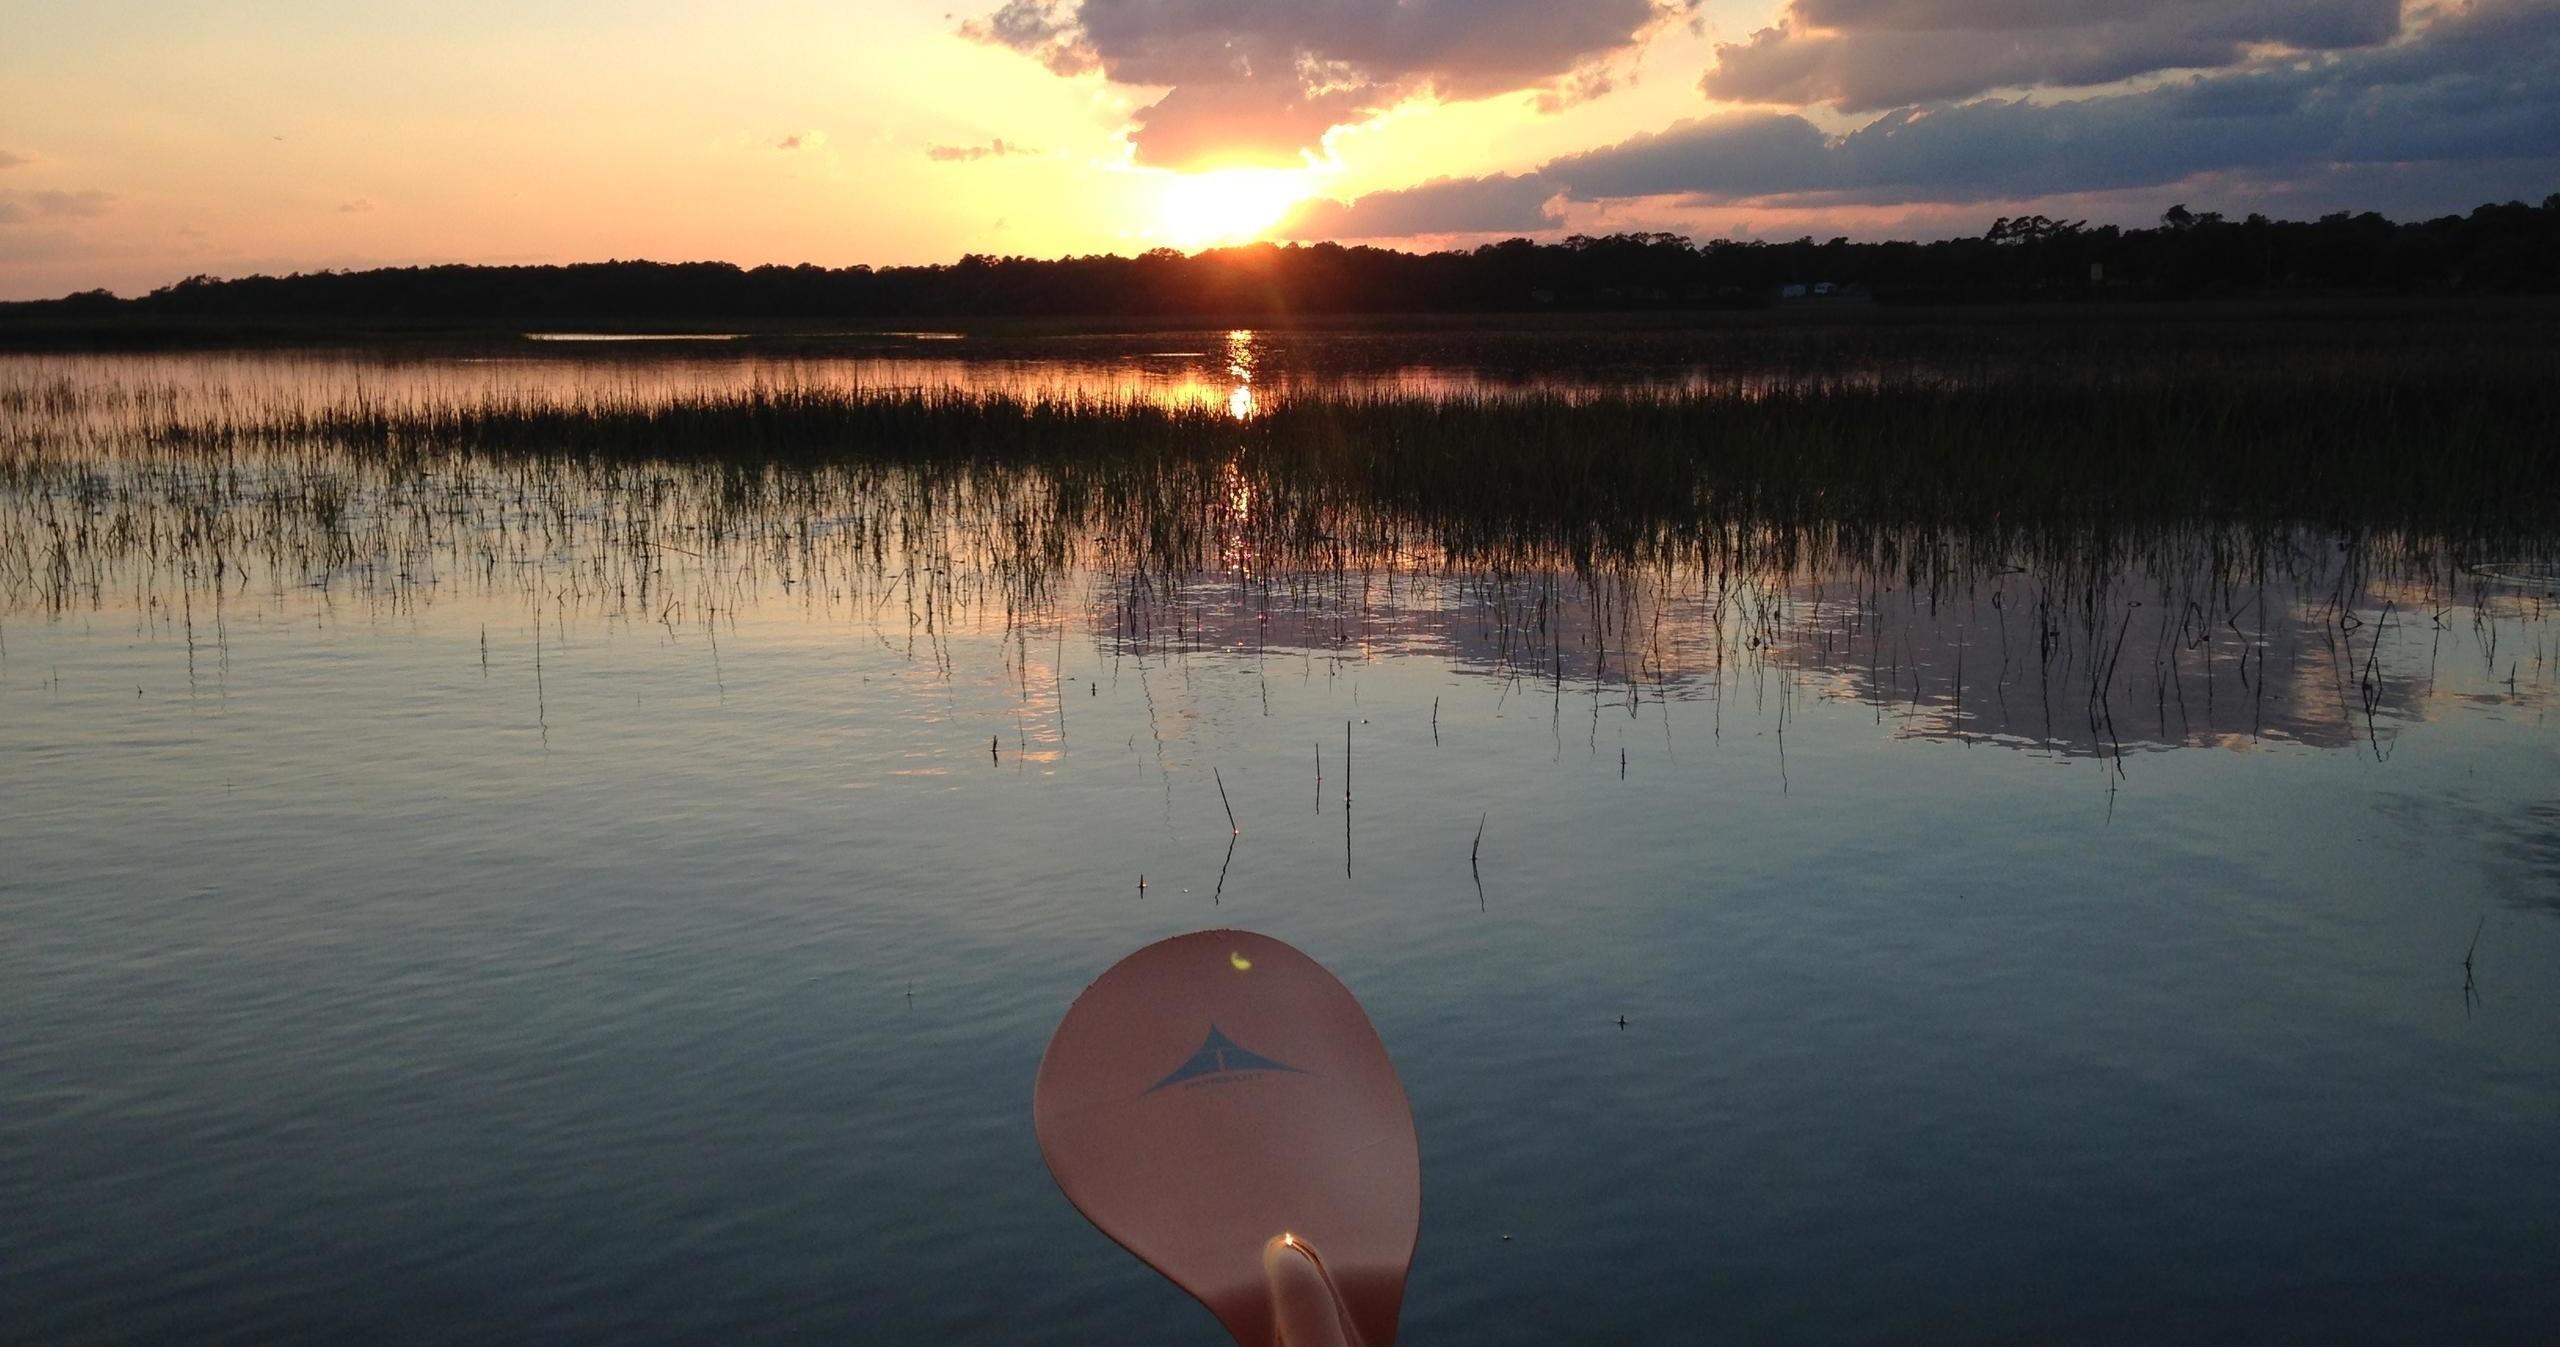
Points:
x=1219, y=1056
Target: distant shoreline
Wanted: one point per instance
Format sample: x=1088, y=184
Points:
x=2497, y=250
x=43, y=332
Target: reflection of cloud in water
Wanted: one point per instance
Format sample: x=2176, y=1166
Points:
x=2078, y=669
x=2532, y=841
x=2518, y=847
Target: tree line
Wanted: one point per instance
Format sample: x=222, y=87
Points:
x=2510, y=248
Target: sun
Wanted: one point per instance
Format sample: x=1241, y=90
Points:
x=1228, y=205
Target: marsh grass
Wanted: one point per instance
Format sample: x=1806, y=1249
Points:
x=2463, y=441
x=2125, y=529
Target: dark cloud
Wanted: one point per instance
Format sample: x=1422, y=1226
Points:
x=1776, y=153
x=2476, y=85
x=1042, y=29
x=960, y=154
x=9, y=160
x=2435, y=123
x=1261, y=80
x=1865, y=55
x=1515, y=205
x=363, y=205
x=16, y=207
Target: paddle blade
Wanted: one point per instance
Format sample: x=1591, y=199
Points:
x=1217, y=1090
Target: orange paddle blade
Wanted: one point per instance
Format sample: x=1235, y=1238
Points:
x=1217, y=1091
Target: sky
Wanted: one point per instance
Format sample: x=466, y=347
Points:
x=142, y=141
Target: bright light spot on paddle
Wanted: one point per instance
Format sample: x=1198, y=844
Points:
x=1237, y=958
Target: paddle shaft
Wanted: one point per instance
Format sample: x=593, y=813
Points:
x=1305, y=1311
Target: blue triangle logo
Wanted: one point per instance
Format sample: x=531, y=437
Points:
x=1219, y=1056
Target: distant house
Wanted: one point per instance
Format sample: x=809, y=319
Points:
x=1792, y=290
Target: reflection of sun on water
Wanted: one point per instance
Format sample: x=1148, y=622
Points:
x=1235, y=527
x=1240, y=403
x=1231, y=205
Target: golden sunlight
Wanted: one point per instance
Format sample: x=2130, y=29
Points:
x=1240, y=363
x=1230, y=205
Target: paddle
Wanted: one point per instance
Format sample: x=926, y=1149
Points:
x=1219, y=1104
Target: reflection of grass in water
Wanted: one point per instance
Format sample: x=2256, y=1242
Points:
x=2105, y=623
x=1567, y=524
x=2542, y=576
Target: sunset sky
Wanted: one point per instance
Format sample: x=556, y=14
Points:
x=146, y=140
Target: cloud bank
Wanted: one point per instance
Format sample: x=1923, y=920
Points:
x=1867, y=55
x=1260, y=81
x=2478, y=88
x=1514, y=205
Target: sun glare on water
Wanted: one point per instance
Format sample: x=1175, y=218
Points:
x=1234, y=205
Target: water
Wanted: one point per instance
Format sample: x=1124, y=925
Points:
x=1229, y=369
x=604, y=908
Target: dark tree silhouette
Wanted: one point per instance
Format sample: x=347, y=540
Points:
x=2512, y=248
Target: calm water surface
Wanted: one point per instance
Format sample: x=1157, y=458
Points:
x=606, y=908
